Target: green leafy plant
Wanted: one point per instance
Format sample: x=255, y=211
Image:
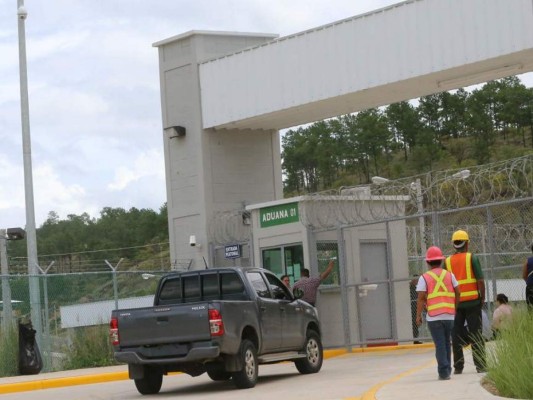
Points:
x=510, y=360
x=90, y=348
x=9, y=352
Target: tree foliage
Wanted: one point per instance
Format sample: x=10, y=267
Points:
x=443, y=130
x=80, y=239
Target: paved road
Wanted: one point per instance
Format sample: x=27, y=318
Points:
x=408, y=373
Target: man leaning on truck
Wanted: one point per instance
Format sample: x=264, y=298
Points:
x=310, y=285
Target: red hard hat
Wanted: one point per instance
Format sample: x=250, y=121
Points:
x=434, y=254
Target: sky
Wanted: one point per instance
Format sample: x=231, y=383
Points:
x=94, y=95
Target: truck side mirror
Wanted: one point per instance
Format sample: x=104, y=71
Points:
x=298, y=293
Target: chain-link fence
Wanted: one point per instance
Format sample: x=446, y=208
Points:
x=377, y=295
x=72, y=306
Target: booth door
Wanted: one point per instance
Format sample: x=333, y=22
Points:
x=375, y=305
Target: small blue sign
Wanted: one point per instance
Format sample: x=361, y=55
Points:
x=232, y=251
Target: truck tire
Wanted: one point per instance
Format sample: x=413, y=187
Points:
x=217, y=372
x=247, y=377
x=312, y=363
x=151, y=383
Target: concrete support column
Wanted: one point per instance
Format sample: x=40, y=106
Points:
x=208, y=171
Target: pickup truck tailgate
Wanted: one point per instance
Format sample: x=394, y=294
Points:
x=178, y=323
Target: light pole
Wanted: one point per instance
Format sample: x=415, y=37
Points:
x=417, y=187
x=10, y=234
x=463, y=174
x=35, y=298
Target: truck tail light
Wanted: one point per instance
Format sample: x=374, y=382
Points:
x=216, y=325
x=113, y=332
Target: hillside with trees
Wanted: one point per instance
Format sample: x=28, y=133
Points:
x=441, y=131
x=80, y=243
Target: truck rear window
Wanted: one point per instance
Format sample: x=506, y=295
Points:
x=217, y=285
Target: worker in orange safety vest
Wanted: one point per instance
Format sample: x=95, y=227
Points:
x=467, y=269
x=438, y=293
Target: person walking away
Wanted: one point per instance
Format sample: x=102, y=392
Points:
x=501, y=314
x=438, y=292
x=467, y=269
x=310, y=285
x=527, y=274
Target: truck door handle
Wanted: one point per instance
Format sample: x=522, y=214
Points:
x=262, y=308
x=162, y=319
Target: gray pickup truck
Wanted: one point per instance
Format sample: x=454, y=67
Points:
x=222, y=321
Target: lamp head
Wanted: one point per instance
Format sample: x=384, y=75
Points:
x=15, y=234
x=378, y=180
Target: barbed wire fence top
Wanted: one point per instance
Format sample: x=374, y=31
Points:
x=435, y=191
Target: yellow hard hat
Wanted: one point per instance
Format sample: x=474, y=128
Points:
x=460, y=236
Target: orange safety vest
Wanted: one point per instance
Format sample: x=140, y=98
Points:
x=461, y=266
x=441, y=296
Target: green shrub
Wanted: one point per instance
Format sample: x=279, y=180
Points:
x=90, y=348
x=9, y=345
x=510, y=360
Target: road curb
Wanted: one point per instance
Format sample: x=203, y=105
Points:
x=62, y=382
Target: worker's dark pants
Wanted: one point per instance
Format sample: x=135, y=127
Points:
x=472, y=316
x=529, y=295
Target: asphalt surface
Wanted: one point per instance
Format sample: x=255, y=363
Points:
x=384, y=373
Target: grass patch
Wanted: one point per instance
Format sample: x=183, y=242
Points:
x=90, y=348
x=9, y=349
x=510, y=360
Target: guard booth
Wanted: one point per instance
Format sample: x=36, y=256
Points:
x=361, y=302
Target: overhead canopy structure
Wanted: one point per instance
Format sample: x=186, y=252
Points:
x=401, y=52
x=225, y=95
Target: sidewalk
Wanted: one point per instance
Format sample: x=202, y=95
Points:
x=418, y=383
x=421, y=383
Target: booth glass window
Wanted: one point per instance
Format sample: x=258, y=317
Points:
x=284, y=260
x=272, y=261
x=324, y=252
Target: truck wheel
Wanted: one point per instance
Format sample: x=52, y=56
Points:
x=150, y=384
x=217, y=372
x=247, y=376
x=314, y=355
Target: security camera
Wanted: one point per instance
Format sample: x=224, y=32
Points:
x=192, y=240
x=22, y=13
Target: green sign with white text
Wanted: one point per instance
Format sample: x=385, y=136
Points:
x=278, y=215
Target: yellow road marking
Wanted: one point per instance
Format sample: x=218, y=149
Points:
x=61, y=382
x=371, y=394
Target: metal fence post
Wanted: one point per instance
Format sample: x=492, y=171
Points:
x=6, y=289
x=344, y=290
x=490, y=235
x=46, y=339
x=115, y=284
